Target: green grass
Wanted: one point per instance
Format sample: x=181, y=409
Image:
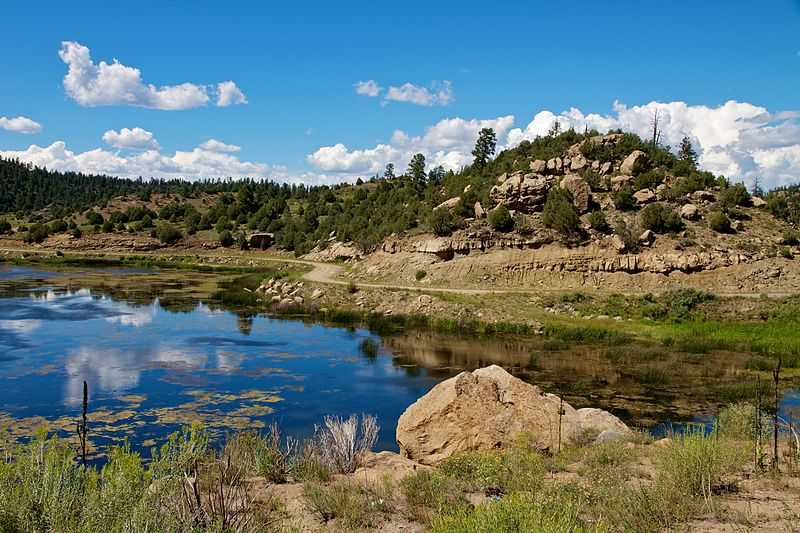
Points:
x=554, y=513
x=776, y=336
x=570, y=333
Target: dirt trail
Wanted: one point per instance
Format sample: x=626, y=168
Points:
x=329, y=274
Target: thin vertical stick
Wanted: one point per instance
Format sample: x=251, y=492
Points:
x=83, y=422
x=560, y=414
x=757, y=462
x=776, y=375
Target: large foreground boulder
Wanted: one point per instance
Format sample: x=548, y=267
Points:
x=489, y=408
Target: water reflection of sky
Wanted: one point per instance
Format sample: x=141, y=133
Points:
x=51, y=341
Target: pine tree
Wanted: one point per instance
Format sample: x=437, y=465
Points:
x=484, y=147
x=686, y=152
x=389, y=172
x=416, y=168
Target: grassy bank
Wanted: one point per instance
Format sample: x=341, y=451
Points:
x=268, y=483
x=194, y=263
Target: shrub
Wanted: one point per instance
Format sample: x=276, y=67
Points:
x=649, y=180
x=500, y=219
x=94, y=218
x=680, y=303
x=223, y=224
x=226, y=238
x=77, y=233
x=355, y=506
x=273, y=456
x=308, y=466
x=442, y=222
x=734, y=196
x=791, y=237
x=660, y=219
x=168, y=234
x=738, y=421
x=598, y=222
x=429, y=493
x=342, y=444
x=5, y=226
x=629, y=238
x=241, y=241
x=108, y=227
x=420, y=274
x=695, y=463
x=560, y=213
x=57, y=226
x=623, y=199
x=509, y=471
x=36, y=233
x=719, y=222
x=517, y=512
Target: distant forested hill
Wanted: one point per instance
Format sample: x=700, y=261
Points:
x=366, y=212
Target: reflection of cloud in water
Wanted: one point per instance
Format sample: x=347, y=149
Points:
x=113, y=370
x=20, y=326
x=136, y=317
x=228, y=341
x=229, y=361
x=13, y=334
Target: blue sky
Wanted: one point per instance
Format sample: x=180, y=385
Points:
x=296, y=65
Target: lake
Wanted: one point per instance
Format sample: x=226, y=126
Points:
x=159, y=353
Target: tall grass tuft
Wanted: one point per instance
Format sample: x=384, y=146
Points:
x=342, y=443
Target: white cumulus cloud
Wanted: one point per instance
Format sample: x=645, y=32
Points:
x=440, y=93
x=100, y=84
x=213, y=145
x=739, y=140
x=20, y=125
x=197, y=163
x=368, y=88
x=229, y=94
x=135, y=138
x=449, y=143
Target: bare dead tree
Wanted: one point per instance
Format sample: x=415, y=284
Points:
x=656, y=131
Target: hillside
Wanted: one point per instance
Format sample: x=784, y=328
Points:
x=586, y=203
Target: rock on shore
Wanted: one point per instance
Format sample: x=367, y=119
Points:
x=489, y=408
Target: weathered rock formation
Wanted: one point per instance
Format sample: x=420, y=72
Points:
x=690, y=212
x=522, y=192
x=644, y=196
x=636, y=162
x=487, y=409
x=580, y=191
x=450, y=203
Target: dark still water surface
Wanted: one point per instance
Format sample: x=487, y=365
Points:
x=159, y=352
x=150, y=371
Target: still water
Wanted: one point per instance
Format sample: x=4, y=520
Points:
x=153, y=368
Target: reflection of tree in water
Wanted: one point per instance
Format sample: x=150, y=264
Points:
x=178, y=305
x=244, y=321
x=369, y=349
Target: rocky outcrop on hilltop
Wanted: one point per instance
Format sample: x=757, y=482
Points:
x=489, y=409
x=527, y=191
